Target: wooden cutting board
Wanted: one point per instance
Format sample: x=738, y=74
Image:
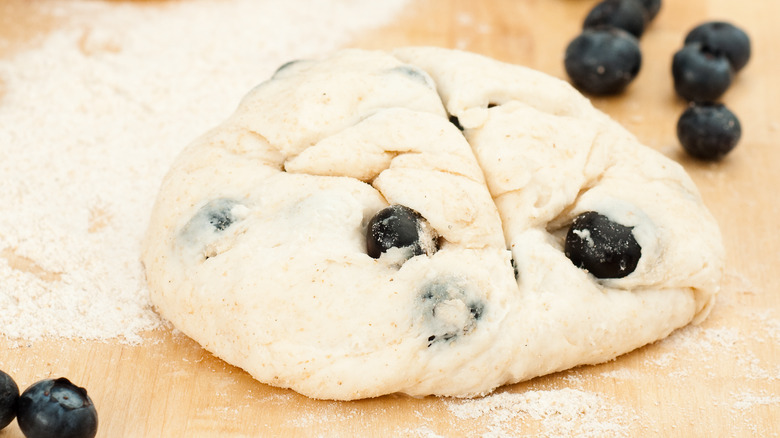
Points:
x=718, y=379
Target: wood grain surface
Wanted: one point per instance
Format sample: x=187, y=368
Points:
x=720, y=379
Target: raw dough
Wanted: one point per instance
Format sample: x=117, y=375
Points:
x=257, y=243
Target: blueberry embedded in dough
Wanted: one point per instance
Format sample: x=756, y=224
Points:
x=398, y=226
x=415, y=74
x=450, y=309
x=211, y=221
x=605, y=248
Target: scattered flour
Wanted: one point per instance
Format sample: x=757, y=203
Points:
x=91, y=121
x=561, y=413
x=747, y=400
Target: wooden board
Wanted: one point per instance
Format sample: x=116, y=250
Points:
x=719, y=379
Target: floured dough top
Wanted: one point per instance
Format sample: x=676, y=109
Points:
x=257, y=246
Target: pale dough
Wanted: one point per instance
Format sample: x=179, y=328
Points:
x=257, y=243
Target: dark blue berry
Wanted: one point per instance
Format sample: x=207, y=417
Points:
x=449, y=309
x=398, y=226
x=700, y=74
x=56, y=408
x=724, y=39
x=603, y=247
x=651, y=8
x=628, y=15
x=9, y=396
x=603, y=61
x=708, y=131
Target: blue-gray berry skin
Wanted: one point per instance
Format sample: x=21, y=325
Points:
x=450, y=309
x=9, y=396
x=708, y=131
x=398, y=226
x=56, y=408
x=628, y=15
x=213, y=218
x=605, y=248
x=651, y=8
x=699, y=74
x=724, y=39
x=603, y=61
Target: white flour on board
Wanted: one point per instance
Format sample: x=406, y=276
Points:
x=562, y=413
x=92, y=119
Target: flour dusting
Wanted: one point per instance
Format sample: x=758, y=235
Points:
x=561, y=413
x=91, y=121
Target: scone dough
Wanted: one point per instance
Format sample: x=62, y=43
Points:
x=257, y=242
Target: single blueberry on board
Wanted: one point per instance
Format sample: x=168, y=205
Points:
x=651, y=8
x=9, y=396
x=56, y=408
x=724, y=39
x=398, y=226
x=700, y=74
x=628, y=15
x=708, y=131
x=603, y=247
x=603, y=61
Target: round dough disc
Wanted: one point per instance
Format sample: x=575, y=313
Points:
x=257, y=243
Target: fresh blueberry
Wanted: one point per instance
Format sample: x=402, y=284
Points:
x=603, y=247
x=603, y=61
x=700, y=74
x=398, y=226
x=651, y=8
x=56, y=408
x=450, y=309
x=708, y=131
x=9, y=396
x=628, y=15
x=724, y=39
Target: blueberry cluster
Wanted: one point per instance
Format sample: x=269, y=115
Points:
x=713, y=52
x=50, y=408
x=606, y=57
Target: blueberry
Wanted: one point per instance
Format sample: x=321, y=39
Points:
x=414, y=74
x=603, y=247
x=215, y=216
x=603, y=61
x=9, y=396
x=708, y=131
x=398, y=226
x=628, y=15
x=450, y=309
x=651, y=8
x=700, y=74
x=56, y=408
x=724, y=39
